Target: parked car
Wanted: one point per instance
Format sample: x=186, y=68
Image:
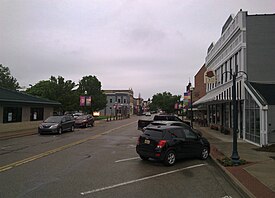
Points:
x=84, y=121
x=145, y=122
x=57, y=124
x=171, y=123
x=169, y=143
x=148, y=114
x=77, y=114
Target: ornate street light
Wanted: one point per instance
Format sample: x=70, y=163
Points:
x=235, y=156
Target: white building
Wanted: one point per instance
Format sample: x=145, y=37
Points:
x=246, y=47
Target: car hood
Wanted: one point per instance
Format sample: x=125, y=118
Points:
x=49, y=123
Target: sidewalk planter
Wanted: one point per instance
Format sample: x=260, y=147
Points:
x=225, y=131
x=214, y=127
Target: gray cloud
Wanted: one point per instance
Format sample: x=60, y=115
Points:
x=150, y=46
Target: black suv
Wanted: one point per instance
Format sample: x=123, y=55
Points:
x=168, y=143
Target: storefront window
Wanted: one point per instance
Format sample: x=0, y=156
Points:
x=12, y=114
x=252, y=122
x=37, y=114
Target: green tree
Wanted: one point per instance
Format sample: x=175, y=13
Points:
x=164, y=101
x=92, y=87
x=57, y=89
x=6, y=79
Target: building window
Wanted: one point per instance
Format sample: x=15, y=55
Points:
x=118, y=100
x=230, y=65
x=225, y=70
x=236, y=63
x=111, y=100
x=222, y=74
x=124, y=101
x=12, y=114
x=252, y=119
x=37, y=114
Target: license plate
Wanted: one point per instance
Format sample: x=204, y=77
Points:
x=147, y=141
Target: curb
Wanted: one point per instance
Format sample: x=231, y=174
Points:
x=233, y=180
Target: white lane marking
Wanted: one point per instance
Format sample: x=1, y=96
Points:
x=141, y=179
x=128, y=159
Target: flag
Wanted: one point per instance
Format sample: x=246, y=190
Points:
x=88, y=101
x=187, y=96
x=82, y=101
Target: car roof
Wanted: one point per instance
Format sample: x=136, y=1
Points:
x=166, y=122
x=161, y=127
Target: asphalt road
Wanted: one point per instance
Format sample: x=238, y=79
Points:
x=101, y=162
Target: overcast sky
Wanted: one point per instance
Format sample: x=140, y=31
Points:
x=150, y=46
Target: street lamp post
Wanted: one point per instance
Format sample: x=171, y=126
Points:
x=191, y=106
x=235, y=156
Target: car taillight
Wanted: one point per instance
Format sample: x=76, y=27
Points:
x=138, y=141
x=161, y=143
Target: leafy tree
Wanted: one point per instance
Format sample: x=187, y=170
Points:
x=6, y=79
x=164, y=101
x=57, y=89
x=92, y=87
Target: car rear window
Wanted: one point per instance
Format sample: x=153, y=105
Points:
x=158, y=134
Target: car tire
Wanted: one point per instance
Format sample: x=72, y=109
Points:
x=60, y=131
x=144, y=158
x=204, y=153
x=170, y=158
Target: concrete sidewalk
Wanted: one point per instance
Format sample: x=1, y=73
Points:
x=257, y=177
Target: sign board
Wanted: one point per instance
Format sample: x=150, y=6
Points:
x=209, y=77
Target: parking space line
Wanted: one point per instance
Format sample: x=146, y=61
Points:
x=128, y=159
x=141, y=179
x=44, y=154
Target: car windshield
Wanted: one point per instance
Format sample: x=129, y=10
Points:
x=53, y=119
x=154, y=133
x=81, y=117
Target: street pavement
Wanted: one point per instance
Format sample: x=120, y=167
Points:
x=257, y=177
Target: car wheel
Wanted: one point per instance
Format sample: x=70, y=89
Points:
x=72, y=128
x=60, y=131
x=204, y=153
x=170, y=158
x=143, y=157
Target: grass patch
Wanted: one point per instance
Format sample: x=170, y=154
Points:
x=226, y=161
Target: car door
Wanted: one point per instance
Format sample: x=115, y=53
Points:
x=178, y=141
x=192, y=145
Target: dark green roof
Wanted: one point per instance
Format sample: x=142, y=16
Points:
x=266, y=91
x=12, y=96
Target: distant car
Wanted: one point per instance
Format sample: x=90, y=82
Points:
x=169, y=143
x=77, y=114
x=57, y=124
x=84, y=121
x=147, y=114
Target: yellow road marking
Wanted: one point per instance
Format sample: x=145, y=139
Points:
x=35, y=157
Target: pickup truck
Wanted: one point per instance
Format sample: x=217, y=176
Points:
x=144, y=123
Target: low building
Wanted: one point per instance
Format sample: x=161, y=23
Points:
x=119, y=102
x=246, y=49
x=22, y=111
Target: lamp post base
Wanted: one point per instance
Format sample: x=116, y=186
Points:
x=235, y=159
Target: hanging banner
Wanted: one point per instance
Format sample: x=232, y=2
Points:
x=88, y=101
x=82, y=101
x=187, y=96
